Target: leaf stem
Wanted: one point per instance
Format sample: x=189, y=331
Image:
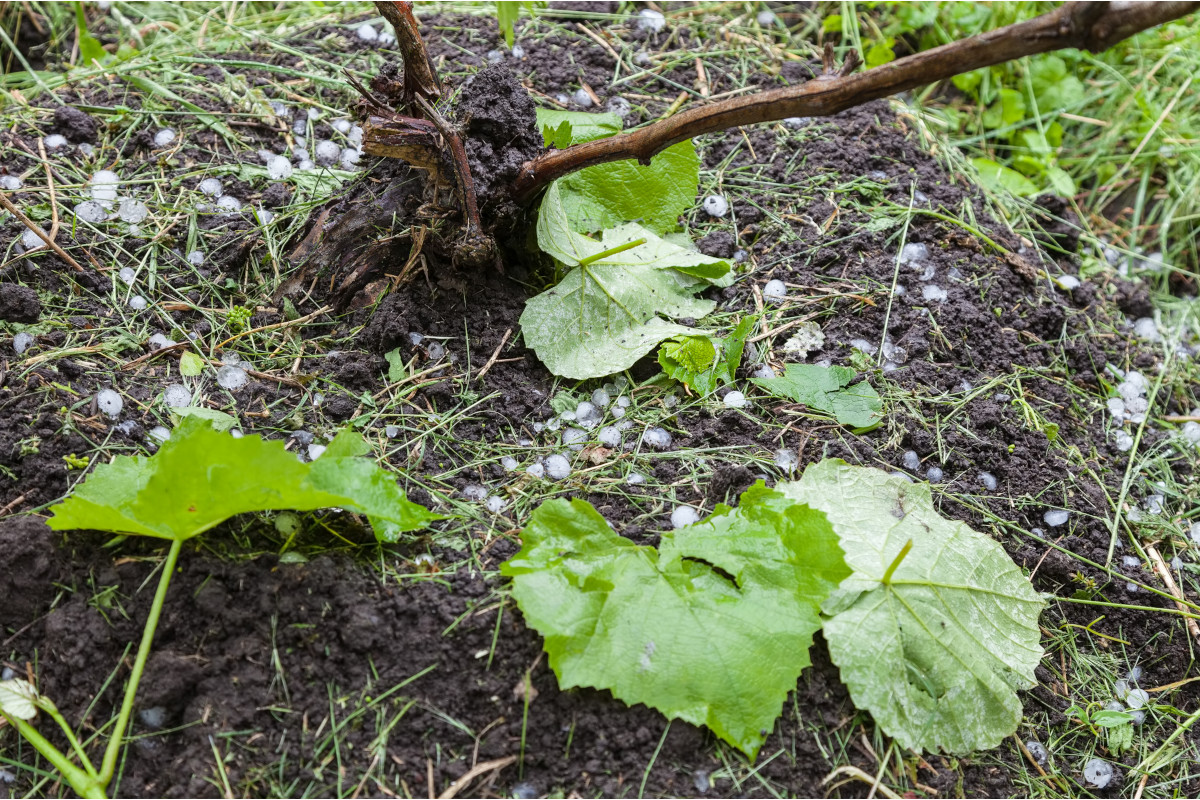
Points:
x=612, y=251
x=115, y=741
x=84, y=784
x=887, y=576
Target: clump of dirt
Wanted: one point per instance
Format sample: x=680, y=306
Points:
x=74, y=124
x=501, y=130
x=19, y=303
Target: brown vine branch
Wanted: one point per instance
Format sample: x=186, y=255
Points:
x=1093, y=26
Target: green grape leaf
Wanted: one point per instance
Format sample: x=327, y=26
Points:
x=201, y=477
x=219, y=420
x=713, y=627
x=562, y=129
x=604, y=314
x=997, y=177
x=705, y=363
x=190, y=364
x=828, y=389
x=938, y=653
x=506, y=17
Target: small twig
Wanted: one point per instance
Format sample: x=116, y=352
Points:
x=171, y=348
x=855, y=772
x=41, y=234
x=277, y=325
x=475, y=772
x=12, y=505
x=1093, y=26
x=495, y=355
x=1164, y=574
x=50, y=184
x=420, y=77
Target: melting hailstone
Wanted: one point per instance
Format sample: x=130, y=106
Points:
x=315, y=451
x=229, y=204
x=558, y=467
x=574, y=438
x=609, y=436
x=279, y=168
x=656, y=438
x=808, y=338
x=132, y=211
x=177, y=396
x=195, y=258
x=232, y=377
x=616, y=105
x=933, y=293
x=473, y=491
x=211, y=187
x=988, y=480
x=1146, y=328
x=934, y=475
x=910, y=460
x=582, y=98
x=735, y=399
x=536, y=470
x=1038, y=751
x=109, y=402
x=766, y=18
x=509, y=463
x=127, y=275
x=326, y=152
x=10, y=182
x=159, y=432
x=137, y=302
x=716, y=206
x=914, y=251
x=495, y=504
x=1098, y=773
x=1056, y=517
x=1137, y=698
x=775, y=290
x=91, y=211
x=158, y=341
x=600, y=398
x=31, y=240
x=366, y=33
x=588, y=415
x=786, y=459
x=651, y=21
x=635, y=478
x=765, y=371
x=55, y=141
x=342, y=126
x=164, y=137
x=683, y=516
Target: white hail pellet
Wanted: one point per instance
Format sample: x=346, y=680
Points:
x=315, y=451
x=618, y=105
x=158, y=341
x=558, y=467
x=177, y=395
x=716, y=206
x=355, y=137
x=582, y=98
x=211, y=187
x=55, y=141
x=279, y=168
x=574, y=438
x=600, y=398
x=656, y=438
x=536, y=470
x=1146, y=328
x=159, y=432
x=326, y=152
x=764, y=371
x=1123, y=441
x=786, y=459
x=914, y=251
x=164, y=137
x=132, y=211
x=349, y=158
x=495, y=504
x=910, y=460
x=31, y=241
x=342, y=126
x=232, y=377
x=366, y=33
x=90, y=211
x=634, y=478
x=508, y=462
x=1068, y=282
x=229, y=204
x=22, y=341
x=683, y=516
x=775, y=289
x=10, y=182
x=1098, y=772
x=587, y=415
x=265, y=216
x=609, y=436
x=934, y=475
x=137, y=302
x=127, y=275
x=1056, y=517
x=518, y=51
x=651, y=21
x=195, y=258
x=988, y=481
x=109, y=402
x=766, y=18
x=933, y=293
x=735, y=399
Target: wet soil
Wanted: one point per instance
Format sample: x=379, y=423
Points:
x=266, y=665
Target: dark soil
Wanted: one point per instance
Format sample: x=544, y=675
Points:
x=262, y=659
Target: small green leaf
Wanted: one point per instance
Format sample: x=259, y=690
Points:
x=190, y=364
x=832, y=24
x=938, y=652
x=506, y=16
x=603, y=317
x=90, y=49
x=218, y=419
x=201, y=477
x=18, y=698
x=713, y=628
x=562, y=129
x=705, y=363
x=881, y=52
x=828, y=389
x=397, y=370
x=998, y=177
x=1111, y=719
x=1008, y=109
x=1061, y=182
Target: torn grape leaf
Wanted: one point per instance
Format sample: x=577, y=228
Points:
x=828, y=389
x=705, y=363
x=938, y=653
x=713, y=627
x=201, y=477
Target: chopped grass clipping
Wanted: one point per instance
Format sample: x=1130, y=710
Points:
x=201, y=477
